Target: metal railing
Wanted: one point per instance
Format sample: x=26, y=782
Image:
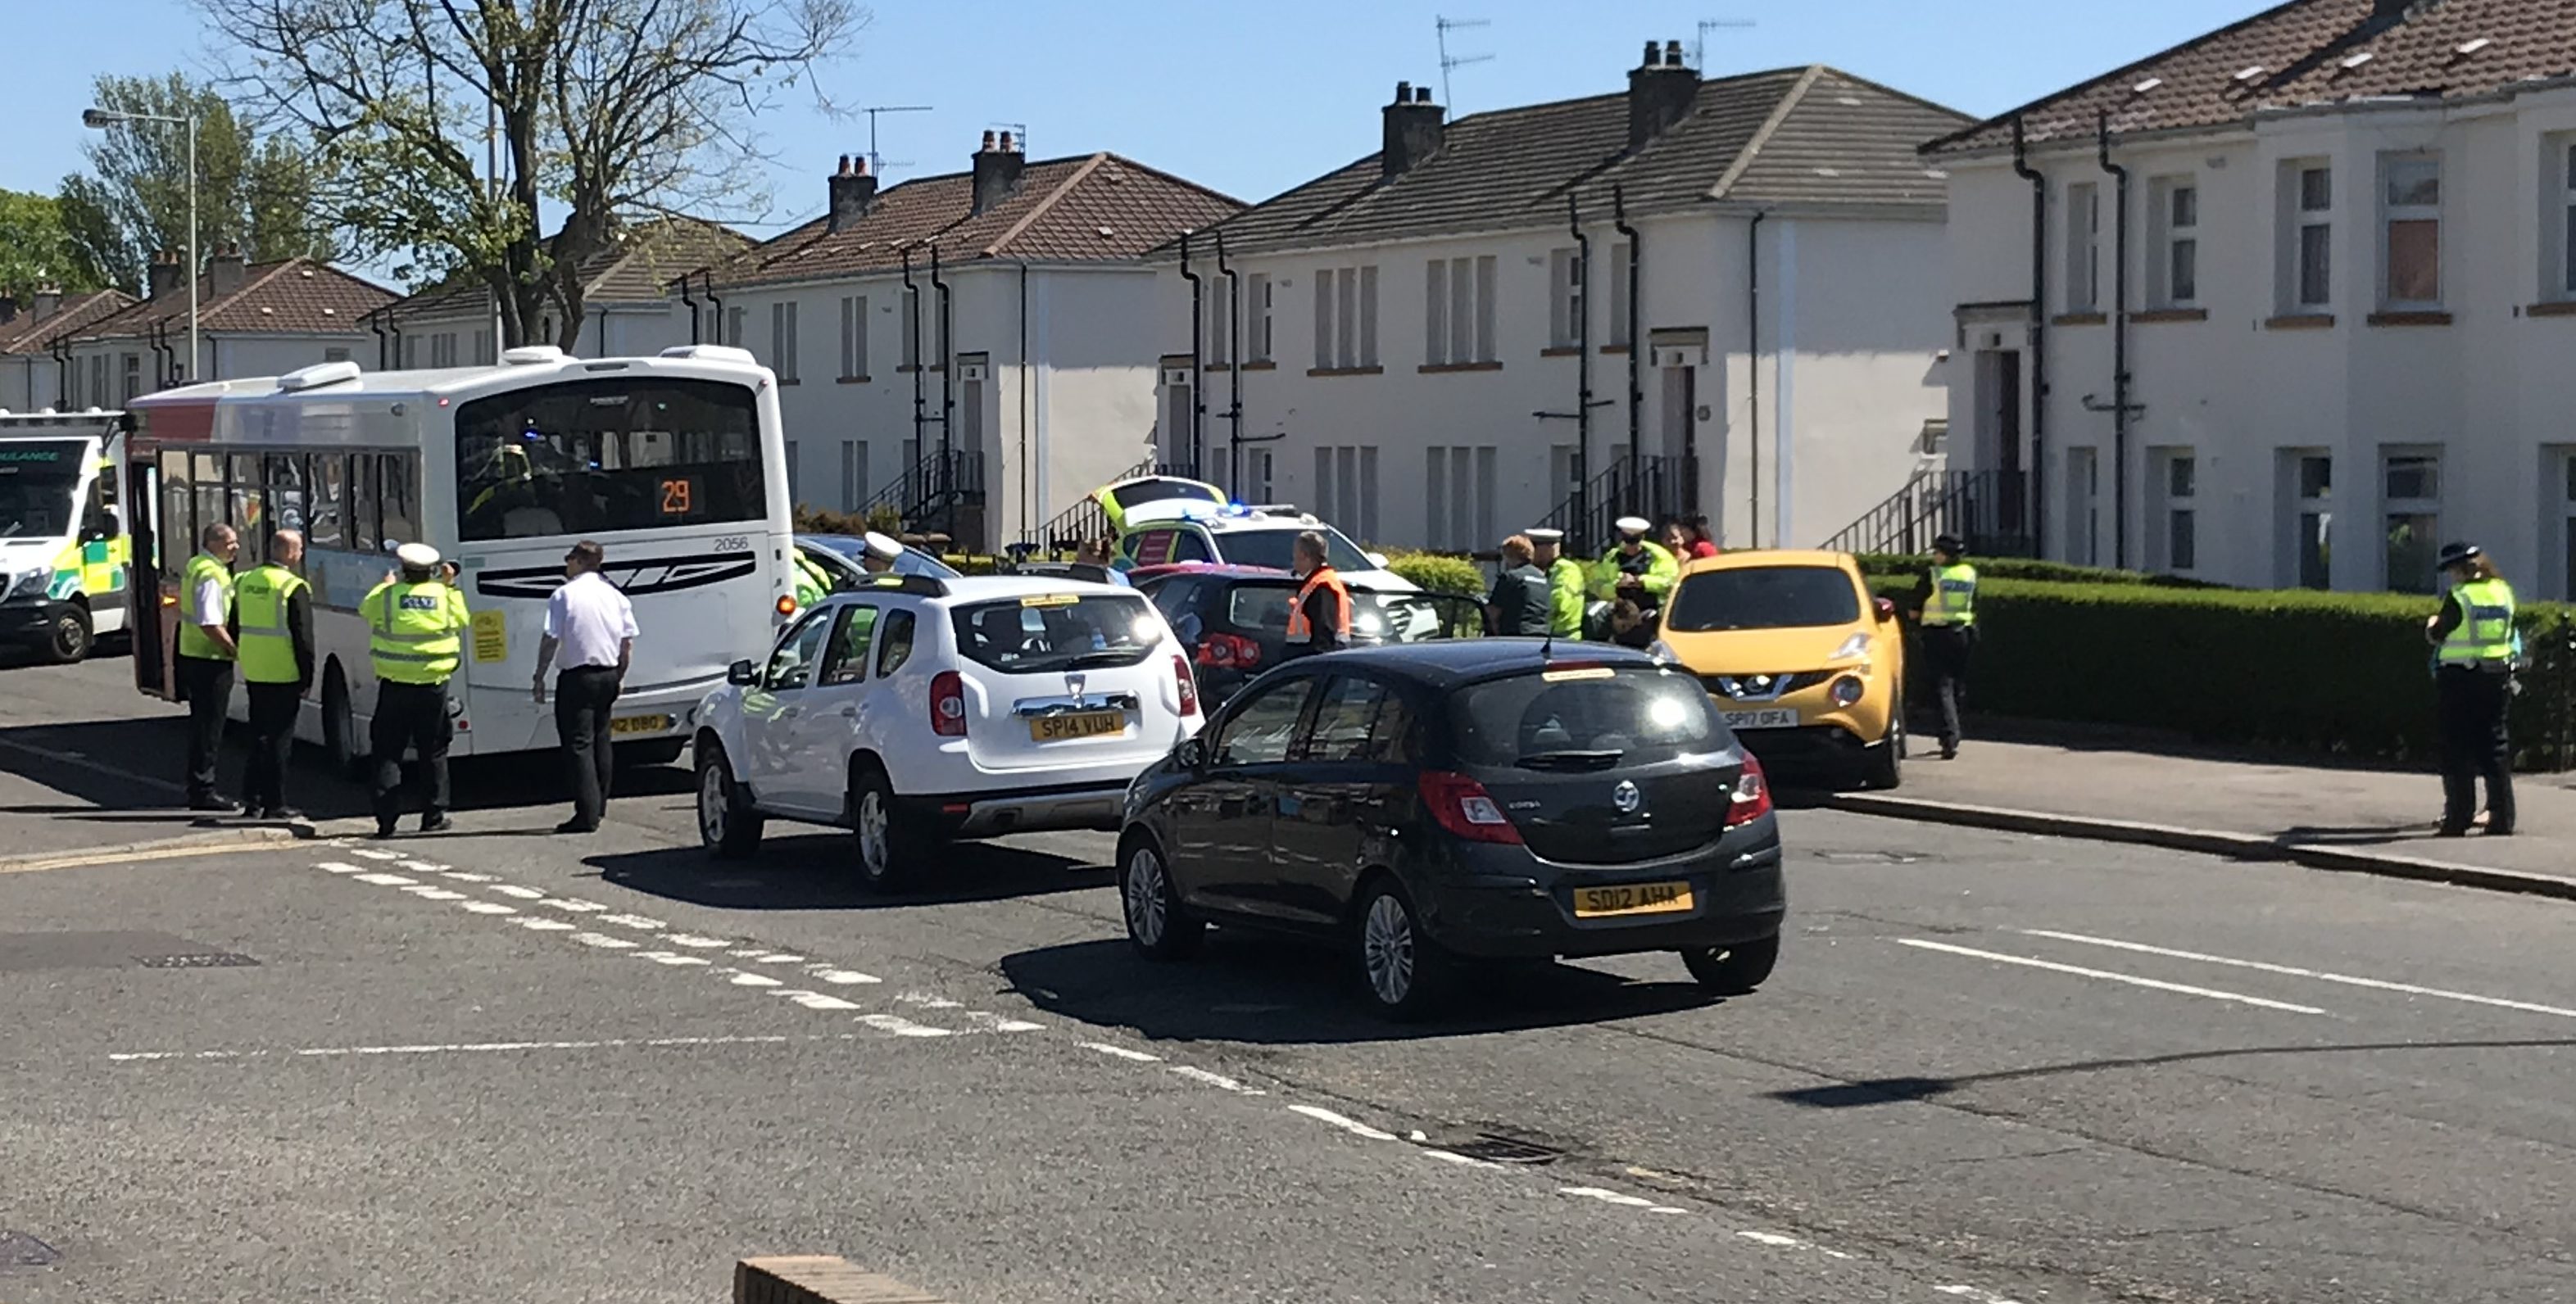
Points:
x=1086, y=519
x=1653, y=486
x=1988, y=510
x=938, y=480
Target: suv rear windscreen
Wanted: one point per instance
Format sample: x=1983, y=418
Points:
x=1633, y=714
x=1277, y=548
x=1046, y=632
x=1763, y=597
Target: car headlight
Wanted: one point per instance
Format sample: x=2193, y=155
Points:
x=1847, y=690
x=1856, y=645
x=30, y=580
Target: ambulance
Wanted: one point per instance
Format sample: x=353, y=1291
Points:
x=63, y=548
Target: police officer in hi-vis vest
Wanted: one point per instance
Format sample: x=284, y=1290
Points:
x=2475, y=648
x=1946, y=605
x=205, y=664
x=273, y=627
x=416, y=638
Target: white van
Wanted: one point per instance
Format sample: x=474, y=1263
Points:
x=63, y=549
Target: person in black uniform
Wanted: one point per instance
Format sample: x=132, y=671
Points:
x=1518, y=604
x=2475, y=647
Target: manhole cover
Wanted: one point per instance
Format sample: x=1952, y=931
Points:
x=1867, y=857
x=19, y=1250
x=1497, y=1149
x=198, y=960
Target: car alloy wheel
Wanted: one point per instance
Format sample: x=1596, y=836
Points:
x=70, y=641
x=712, y=805
x=1148, y=919
x=876, y=836
x=1387, y=950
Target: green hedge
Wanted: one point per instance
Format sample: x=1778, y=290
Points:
x=2021, y=568
x=1439, y=572
x=2339, y=672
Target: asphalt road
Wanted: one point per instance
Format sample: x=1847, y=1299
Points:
x=513, y=1066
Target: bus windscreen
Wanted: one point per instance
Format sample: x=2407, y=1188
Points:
x=597, y=456
x=37, y=477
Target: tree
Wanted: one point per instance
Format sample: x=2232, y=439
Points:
x=36, y=250
x=252, y=192
x=610, y=109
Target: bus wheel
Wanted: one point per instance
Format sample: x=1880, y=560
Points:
x=67, y=636
x=339, y=723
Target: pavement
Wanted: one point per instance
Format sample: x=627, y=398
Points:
x=498, y=1064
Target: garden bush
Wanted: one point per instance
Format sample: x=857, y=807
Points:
x=1439, y=572
x=2023, y=568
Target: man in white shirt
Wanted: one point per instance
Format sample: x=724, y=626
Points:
x=592, y=626
x=204, y=667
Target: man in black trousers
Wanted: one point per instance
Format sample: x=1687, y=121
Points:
x=205, y=664
x=592, y=625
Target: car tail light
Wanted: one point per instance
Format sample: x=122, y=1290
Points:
x=1462, y=807
x=1751, y=798
x=948, y=704
x=1230, y=650
x=1189, y=685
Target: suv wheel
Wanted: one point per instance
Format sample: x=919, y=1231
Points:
x=888, y=848
x=1734, y=970
x=1403, y=970
x=67, y=636
x=1158, y=925
x=727, y=825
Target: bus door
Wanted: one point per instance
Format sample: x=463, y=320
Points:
x=151, y=600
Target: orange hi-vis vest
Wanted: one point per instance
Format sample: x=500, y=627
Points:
x=1301, y=630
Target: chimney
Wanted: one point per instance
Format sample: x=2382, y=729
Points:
x=1660, y=92
x=162, y=277
x=8, y=308
x=853, y=191
x=1412, y=131
x=49, y=300
x=225, y=271
x=997, y=172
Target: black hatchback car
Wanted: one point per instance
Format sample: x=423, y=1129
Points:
x=1429, y=805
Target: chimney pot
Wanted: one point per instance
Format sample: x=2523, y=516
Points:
x=988, y=142
x=1006, y=142
x=860, y=166
x=1659, y=94
x=997, y=175
x=162, y=277
x=1672, y=54
x=1422, y=95
x=1412, y=130
x=1653, y=56
x=852, y=191
x=1404, y=92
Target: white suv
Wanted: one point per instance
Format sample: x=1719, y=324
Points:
x=920, y=709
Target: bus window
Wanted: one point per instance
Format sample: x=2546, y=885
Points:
x=249, y=509
x=594, y=456
x=362, y=503
x=324, y=516
x=287, y=501
x=399, y=498
x=178, y=513
x=211, y=505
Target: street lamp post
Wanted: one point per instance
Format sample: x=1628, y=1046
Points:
x=102, y=119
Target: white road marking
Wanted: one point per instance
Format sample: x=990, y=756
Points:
x=927, y=1001
x=1976, y=1294
x=427, y=893
x=607, y=1043
x=2293, y=971
x=2207, y=993
x=545, y=925
x=522, y=893
x=1605, y=1195
x=574, y=904
x=462, y=877
x=335, y=867
x=632, y=921
x=1350, y=1125
x=778, y=957
x=1771, y=1238
x=370, y=853
x=819, y=1001
x=424, y=867
x=844, y=977
x=490, y=908
x=602, y=941
x=691, y=939
x=669, y=957
x=1219, y=1081
x=744, y=953
x=1122, y=1052
x=386, y=880
x=1453, y=1157
x=1000, y=1023
x=741, y=979
x=902, y=1027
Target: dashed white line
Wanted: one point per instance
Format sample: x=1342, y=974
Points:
x=778, y=957
x=475, y=1047
x=1453, y=1157
x=1000, y=1022
x=370, y=853
x=462, y=877
x=1771, y=1238
x=741, y=979
x=1603, y=1194
x=842, y=977
x=489, y=908
x=669, y=957
x=423, y=867
x=2320, y=975
x=336, y=867
x=428, y=893
x=1216, y=1080
x=694, y=941
x=2184, y=989
x=1121, y=1052
x=536, y=924
x=632, y=921
x=603, y=941
x=522, y=893
x=819, y=1001
x=1350, y=1125
x=928, y=1001
x=574, y=905
x=902, y=1027
x=385, y=880
x=1980, y=1296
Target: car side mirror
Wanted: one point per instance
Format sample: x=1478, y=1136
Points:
x=742, y=674
x=1192, y=753
x=1376, y=559
x=1886, y=609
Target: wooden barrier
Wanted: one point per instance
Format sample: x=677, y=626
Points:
x=818, y=1279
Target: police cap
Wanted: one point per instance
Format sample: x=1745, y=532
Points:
x=1633, y=525
x=1948, y=543
x=2454, y=554
x=883, y=547
x=1545, y=535
x=417, y=556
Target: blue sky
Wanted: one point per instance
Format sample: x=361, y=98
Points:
x=1246, y=97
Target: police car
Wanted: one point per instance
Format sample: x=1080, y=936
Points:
x=921, y=709
x=1177, y=530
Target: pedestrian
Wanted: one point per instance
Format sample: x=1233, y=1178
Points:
x=592, y=625
x=2475, y=649
x=416, y=638
x=1519, y=602
x=1103, y=553
x=1319, y=619
x=207, y=655
x=1702, y=542
x=878, y=554
x=1676, y=538
x=273, y=628
x=1631, y=625
x=1565, y=582
x=1945, y=603
x=1639, y=569
x=813, y=583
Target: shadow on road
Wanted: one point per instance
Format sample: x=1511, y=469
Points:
x=814, y=872
x=1253, y=988
x=1889, y=1091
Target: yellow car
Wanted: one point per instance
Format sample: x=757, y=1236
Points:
x=1807, y=666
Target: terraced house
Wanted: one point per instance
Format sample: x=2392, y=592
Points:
x=253, y=319
x=35, y=373
x=1720, y=296
x=2289, y=304
x=631, y=302
x=970, y=349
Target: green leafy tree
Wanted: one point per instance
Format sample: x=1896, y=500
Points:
x=35, y=249
x=607, y=109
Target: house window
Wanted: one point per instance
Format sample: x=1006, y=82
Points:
x=854, y=337
x=2560, y=186
x=1346, y=318
x=782, y=341
x=410, y=356
x=442, y=349
x=98, y=381
x=1346, y=488
x=2411, y=230
x=2307, y=249
x=133, y=376
x=911, y=327
x=2083, y=518
x=1461, y=484
x=1458, y=311
x=732, y=328
x=1256, y=294
x=2083, y=247
x=2176, y=282
x=483, y=348
x=335, y=355
x=1620, y=256
x=2410, y=504
x=1220, y=321
x=854, y=473
x=1564, y=297
x=2174, y=544
x=2307, y=518
x=1260, y=476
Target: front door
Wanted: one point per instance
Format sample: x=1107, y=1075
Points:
x=1681, y=434
x=1339, y=802
x=773, y=709
x=1999, y=447
x=819, y=739
x=2083, y=505
x=154, y=669
x=1221, y=825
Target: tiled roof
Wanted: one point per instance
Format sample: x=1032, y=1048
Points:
x=1791, y=136
x=1085, y=208
x=2307, y=53
x=31, y=334
x=639, y=268
x=296, y=296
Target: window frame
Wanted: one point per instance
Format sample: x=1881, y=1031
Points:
x=2392, y=214
x=835, y=668
x=824, y=617
x=1300, y=726
x=2421, y=579
x=2176, y=241
x=2176, y=500
x=1373, y=750
x=782, y=340
x=854, y=337
x=2083, y=250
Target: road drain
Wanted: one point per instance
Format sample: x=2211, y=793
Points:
x=1495, y=1148
x=19, y=1250
x=1867, y=857
x=198, y=960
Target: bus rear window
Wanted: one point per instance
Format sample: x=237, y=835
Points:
x=597, y=456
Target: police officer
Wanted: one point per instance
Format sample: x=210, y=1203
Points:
x=878, y=557
x=1565, y=582
x=1319, y=619
x=1945, y=602
x=1639, y=569
x=2475, y=647
x=812, y=583
x=206, y=657
x=273, y=625
x=416, y=638
x=1519, y=601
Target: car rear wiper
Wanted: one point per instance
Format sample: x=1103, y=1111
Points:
x=1101, y=657
x=1570, y=759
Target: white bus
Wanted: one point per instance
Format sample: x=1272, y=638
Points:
x=673, y=463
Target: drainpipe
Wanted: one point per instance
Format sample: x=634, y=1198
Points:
x=601, y=344
x=1753, y=368
x=377, y=324
x=947, y=404
x=2119, y=346
x=692, y=305
x=2038, y=341
x=61, y=348
x=1028, y=524
x=1198, y=362
x=912, y=311
x=1234, y=372
x=393, y=325
x=1636, y=362
x=715, y=313
x=1582, y=518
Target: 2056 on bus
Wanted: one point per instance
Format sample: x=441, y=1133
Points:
x=673, y=463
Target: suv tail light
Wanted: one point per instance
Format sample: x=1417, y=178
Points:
x=1229, y=650
x=1462, y=807
x=1189, y=684
x=948, y=704
x=1751, y=797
